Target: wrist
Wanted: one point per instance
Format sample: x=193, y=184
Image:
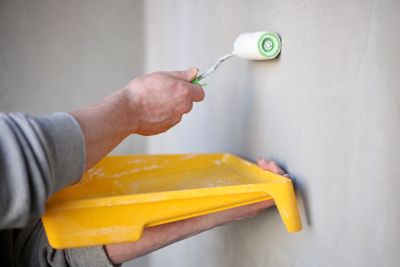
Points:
x=128, y=111
x=119, y=253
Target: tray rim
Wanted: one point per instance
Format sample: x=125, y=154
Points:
x=153, y=197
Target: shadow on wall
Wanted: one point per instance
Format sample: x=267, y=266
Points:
x=303, y=201
x=302, y=193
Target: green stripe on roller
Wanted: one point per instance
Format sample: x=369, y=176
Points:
x=269, y=45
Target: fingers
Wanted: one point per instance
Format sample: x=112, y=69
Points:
x=188, y=107
x=275, y=168
x=196, y=92
x=263, y=163
x=271, y=166
x=187, y=75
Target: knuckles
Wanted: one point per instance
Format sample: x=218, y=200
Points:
x=173, y=98
x=188, y=107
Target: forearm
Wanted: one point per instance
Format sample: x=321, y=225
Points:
x=153, y=239
x=160, y=236
x=104, y=124
x=148, y=105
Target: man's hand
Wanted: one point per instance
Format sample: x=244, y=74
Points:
x=162, y=235
x=148, y=105
x=159, y=100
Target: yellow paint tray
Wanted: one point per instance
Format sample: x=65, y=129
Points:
x=121, y=195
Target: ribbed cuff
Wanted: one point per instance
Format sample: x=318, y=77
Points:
x=90, y=256
x=67, y=145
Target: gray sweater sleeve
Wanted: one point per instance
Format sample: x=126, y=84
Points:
x=38, y=156
x=33, y=250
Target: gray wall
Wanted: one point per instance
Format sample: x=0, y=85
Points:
x=328, y=109
x=60, y=55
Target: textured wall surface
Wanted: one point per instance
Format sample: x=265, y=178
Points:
x=328, y=109
x=60, y=55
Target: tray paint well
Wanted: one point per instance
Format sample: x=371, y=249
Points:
x=121, y=195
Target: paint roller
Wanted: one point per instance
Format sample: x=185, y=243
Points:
x=251, y=46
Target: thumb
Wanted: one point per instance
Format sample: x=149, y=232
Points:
x=187, y=75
